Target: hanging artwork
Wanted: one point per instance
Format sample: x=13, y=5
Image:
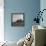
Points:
x=17, y=19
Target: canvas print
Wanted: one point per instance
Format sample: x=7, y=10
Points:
x=17, y=19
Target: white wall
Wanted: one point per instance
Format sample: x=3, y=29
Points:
x=1, y=20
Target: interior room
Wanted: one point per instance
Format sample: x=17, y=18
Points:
x=22, y=23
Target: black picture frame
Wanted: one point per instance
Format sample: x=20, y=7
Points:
x=17, y=19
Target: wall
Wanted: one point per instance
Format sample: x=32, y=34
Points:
x=43, y=6
x=28, y=7
x=1, y=20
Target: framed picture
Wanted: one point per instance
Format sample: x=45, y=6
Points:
x=17, y=19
